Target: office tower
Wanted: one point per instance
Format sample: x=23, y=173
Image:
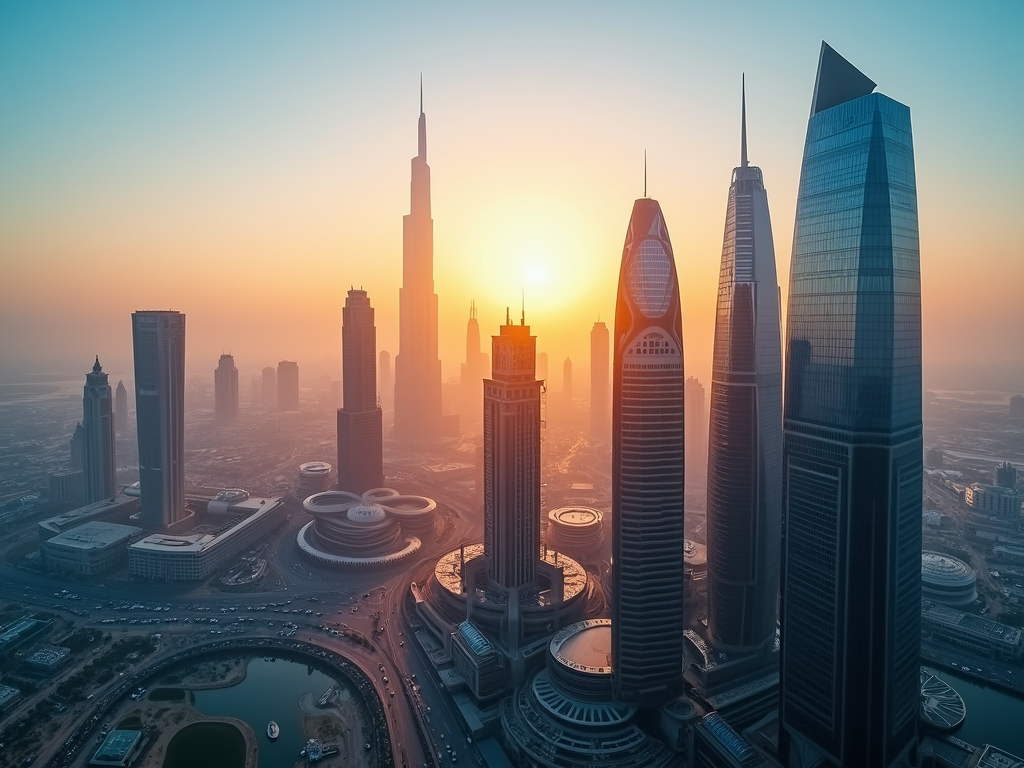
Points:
x=287, y=386
x=225, y=389
x=121, y=409
x=99, y=467
x=417, y=366
x=695, y=442
x=647, y=466
x=852, y=469
x=385, y=380
x=158, y=340
x=567, y=382
x=600, y=394
x=360, y=422
x=269, y=385
x=1006, y=475
x=542, y=366
x=78, y=447
x=512, y=457
x=744, y=501
x=473, y=371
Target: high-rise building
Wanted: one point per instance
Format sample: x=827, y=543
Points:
x=385, y=379
x=417, y=366
x=852, y=450
x=360, y=421
x=158, y=339
x=1006, y=475
x=287, y=386
x=600, y=393
x=567, y=393
x=269, y=381
x=99, y=466
x=77, y=444
x=121, y=409
x=696, y=441
x=512, y=457
x=473, y=371
x=647, y=466
x=744, y=501
x=225, y=389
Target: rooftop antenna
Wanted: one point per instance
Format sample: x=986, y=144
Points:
x=645, y=173
x=507, y=320
x=743, y=120
x=522, y=320
x=421, y=93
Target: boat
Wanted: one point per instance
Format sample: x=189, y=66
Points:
x=328, y=697
x=273, y=730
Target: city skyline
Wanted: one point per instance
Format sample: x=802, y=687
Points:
x=339, y=217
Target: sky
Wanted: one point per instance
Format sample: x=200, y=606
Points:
x=248, y=162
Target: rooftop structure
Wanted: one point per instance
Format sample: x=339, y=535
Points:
x=575, y=529
x=48, y=658
x=8, y=696
x=20, y=631
x=946, y=580
x=90, y=549
x=941, y=706
x=121, y=507
x=119, y=749
x=977, y=633
x=994, y=500
x=314, y=477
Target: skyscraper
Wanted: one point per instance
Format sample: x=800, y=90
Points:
x=287, y=386
x=647, y=466
x=385, y=379
x=77, y=444
x=269, y=381
x=852, y=455
x=99, y=464
x=512, y=457
x=744, y=500
x=600, y=396
x=225, y=389
x=417, y=366
x=121, y=409
x=158, y=339
x=473, y=371
x=360, y=423
x=696, y=441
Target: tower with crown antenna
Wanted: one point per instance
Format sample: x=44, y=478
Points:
x=600, y=384
x=417, y=365
x=99, y=464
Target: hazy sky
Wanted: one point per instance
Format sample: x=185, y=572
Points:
x=246, y=163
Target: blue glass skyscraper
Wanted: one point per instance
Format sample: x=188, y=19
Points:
x=852, y=457
x=745, y=445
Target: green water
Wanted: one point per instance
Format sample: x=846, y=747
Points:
x=206, y=745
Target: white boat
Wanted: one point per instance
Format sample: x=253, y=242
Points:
x=273, y=730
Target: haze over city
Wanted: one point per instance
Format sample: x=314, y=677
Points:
x=248, y=164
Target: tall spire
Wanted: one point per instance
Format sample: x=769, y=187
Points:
x=472, y=309
x=421, y=93
x=743, y=120
x=645, y=173
x=422, y=147
x=96, y=366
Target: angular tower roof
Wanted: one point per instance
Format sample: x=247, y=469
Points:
x=838, y=81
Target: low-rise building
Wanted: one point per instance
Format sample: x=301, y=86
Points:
x=47, y=659
x=976, y=633
x=89, y=550
x=120, y=749
x=67, y=485
x=8, y=697
x=198, y=553
x=119, y=508
x=993, y=500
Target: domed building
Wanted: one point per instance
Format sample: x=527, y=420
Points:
x=947, y=580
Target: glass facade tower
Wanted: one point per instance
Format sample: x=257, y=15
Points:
x=744, y=501
x=647, y=466
x=852, y=457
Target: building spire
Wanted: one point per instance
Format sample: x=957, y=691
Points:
x=422, y=147
x=743, y=120
x=472, y=309
x=421, y=93
x=645, y=173
x=96, y=366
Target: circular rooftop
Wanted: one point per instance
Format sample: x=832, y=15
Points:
x=575, y=529
x=586, y=646
x=366, y=513
x=576, y=517
x=315, y=468
x=694, y=554
x=947, y=580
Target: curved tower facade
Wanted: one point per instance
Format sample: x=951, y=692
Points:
x=417, y=366
x=852, y=456
x=744, y=501
x=647, y=466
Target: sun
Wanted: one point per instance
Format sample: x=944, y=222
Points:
x=536, y=274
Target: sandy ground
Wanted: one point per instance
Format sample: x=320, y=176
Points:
x=339, y=723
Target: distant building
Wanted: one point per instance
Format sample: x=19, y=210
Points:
x=474, y=370
x=314, y=477
x=225, y=389
x=361, y=419
x=78, y=447
x=993, y=500
x=159, y=346
x=1006, y=475
x=196, y=554
x=542, y=366
x=99, y=470
x=696, y=435
x=600, y=384
x=119, y=508
x=269, y=382
x=8, y=698
x=47, y=659
x=1017, y=407
x=287, y=386
x=934, y=458
x=567, y=393
x=717, y=745
x=91, y=549
x=67, y=485
x=385, y=379
x=119, y=749
x=121, y=409
x=947, y=580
